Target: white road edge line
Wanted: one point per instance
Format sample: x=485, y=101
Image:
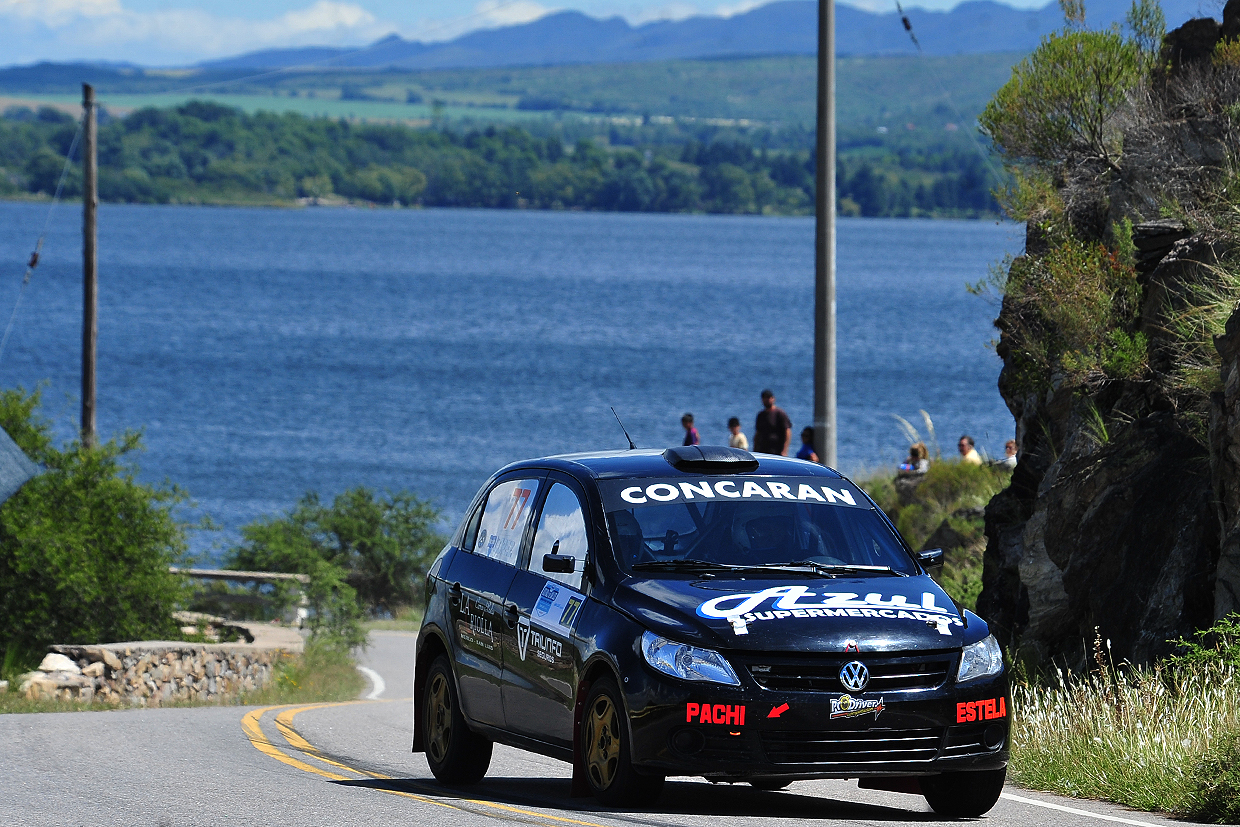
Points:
x=1077, y=812
x=379, y=686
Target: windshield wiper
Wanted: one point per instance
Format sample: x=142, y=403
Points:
x=835, y=569
x=707, y=565
x=657, y=565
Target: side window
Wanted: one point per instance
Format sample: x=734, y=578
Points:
x=562, y=522
x=471, y=530
x=504, y=519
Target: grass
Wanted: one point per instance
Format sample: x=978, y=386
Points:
x=893, y=89
x=1162, y=738
x=952, y=496
x=323, y=672
x=404, y=619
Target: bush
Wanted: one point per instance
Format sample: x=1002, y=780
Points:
x=364, y=553
x=84, y=547
x=1060, y=102
x=951, y=494
x=1216, y=781
x=1070, y=313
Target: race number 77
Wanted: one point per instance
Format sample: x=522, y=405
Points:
x=520, y=497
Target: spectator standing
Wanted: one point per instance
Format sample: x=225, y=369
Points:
x=691, y=433
x=807, y=445
x=772, y=432
x=737, y=438
x=968, y=453
x=1009, y=455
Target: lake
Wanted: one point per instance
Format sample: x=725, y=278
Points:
x=270, y=352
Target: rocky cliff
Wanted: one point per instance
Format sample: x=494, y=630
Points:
x=1123, y=513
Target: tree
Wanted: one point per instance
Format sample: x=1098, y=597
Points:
x=84, y=547
x=379, y=547
x=1060, y=102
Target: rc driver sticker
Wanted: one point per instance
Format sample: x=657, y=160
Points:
x=846, y=706
x=797, y=601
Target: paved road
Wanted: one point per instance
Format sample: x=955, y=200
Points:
x=350, y=764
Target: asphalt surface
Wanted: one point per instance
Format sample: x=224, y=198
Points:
x=351, y=764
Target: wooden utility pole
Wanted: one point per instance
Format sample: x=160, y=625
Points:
x=825, y=424
x=90, y=273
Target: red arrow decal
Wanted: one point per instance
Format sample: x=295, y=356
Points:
x=777, y=711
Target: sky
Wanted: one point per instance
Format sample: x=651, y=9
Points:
x=183, y=32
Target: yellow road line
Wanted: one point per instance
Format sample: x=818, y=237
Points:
x=284, y=724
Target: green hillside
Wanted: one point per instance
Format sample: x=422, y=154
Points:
x=768, y=93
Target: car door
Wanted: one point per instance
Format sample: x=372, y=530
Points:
x=477, y=582
x=540, y=658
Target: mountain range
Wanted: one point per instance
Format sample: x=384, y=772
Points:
x=779, y=28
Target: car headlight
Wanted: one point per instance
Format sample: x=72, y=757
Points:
x=689, y=663
x=980, y=660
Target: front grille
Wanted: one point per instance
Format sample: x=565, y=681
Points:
x=837, y=747
x=823, y=674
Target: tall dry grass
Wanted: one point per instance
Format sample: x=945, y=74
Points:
x=1135, y=736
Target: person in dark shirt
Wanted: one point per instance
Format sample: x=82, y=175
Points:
x=691, y=433
x=772, y=432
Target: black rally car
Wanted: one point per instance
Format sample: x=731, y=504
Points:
x=703, y=612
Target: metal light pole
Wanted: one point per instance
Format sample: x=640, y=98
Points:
x=825, y=431
x=90, y=304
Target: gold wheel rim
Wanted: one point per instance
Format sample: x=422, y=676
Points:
x=602, y=742
x=438, y=718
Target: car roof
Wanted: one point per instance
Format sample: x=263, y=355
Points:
x=655, y=462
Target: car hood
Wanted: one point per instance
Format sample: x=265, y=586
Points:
x=802, y=614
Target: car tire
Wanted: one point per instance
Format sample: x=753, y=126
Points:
x=769, y=785
x=606, y=752
x=963, y=794
x=456, y=754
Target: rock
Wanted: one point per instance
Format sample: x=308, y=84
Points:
x=1230, y=29
x=906, y=487
x=1121, y=538
x=112, y=661
x=94, y=670
x=4, y=687
x=1191, y=43
x=56, y=662
x=946, y=538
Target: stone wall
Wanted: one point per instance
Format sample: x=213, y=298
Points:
x=153, y=673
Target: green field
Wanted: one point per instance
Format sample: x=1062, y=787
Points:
x=767, y=93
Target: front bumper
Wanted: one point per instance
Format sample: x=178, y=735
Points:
x=806, y=735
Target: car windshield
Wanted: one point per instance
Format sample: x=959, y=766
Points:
x=706, y=534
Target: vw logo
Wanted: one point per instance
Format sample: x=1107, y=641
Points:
x=854, y=676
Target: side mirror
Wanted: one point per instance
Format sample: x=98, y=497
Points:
x=558, y=563
x=931, y=558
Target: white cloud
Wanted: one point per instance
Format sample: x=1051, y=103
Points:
x=670, y=11
x=733, y=9
x=489, y=14
x=105, y=30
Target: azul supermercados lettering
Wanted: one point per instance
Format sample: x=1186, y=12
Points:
x=621, y=495
x=846, y=706
x=800, y=602
x=987, y=710
x=726, y=714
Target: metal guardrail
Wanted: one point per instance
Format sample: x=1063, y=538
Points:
x=292, y=614
x=228, y=574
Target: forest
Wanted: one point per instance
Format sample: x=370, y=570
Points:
x=206, y=153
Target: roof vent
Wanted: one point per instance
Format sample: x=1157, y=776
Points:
x=710, y=459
